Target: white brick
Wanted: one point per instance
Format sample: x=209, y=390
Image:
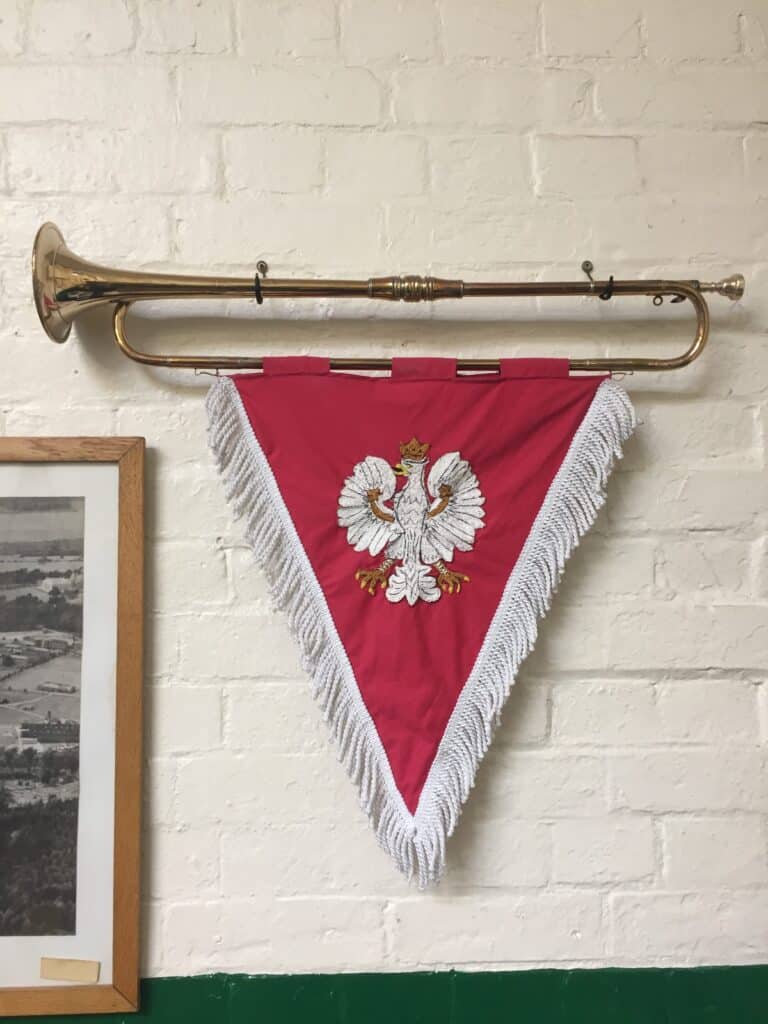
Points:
x=493, y=233
x=176, y=432
x=240, y=92
x=491, y=29
x=294, y=725
x=691, y=28
x=245, y=646
x=273, y=160
x=249, y=584
x=272, y=29
x=138, y=233
x=186, y=575
x=617, y=848
x=330, y=935
x=30, y=170
x=762, y=702
x=656, y=230
x=264, y=789
x=694, y=499
x=11, y=28
x=526, y=715
x=695, y=433
x=708, y=711
x=690, y=780
x=628, y=712
x=576, y=166
x=159, y=791
x=649, y=96
x=376, y=166
x=613, y=714
x=393, y=32
x=186, y=504
x=179, y=26
x=184, y=718
x=162, y=654
x=677, y=635
x=689, y=928
x=687, y=162
x=504, y=96
x=756, y=149
x=151, y=955
x=41, y=92
x=560, y=645
x=288, y=229
x=171, y=162
x=79, y=28
x=182, y=864
x=79, y=422
x=317, y=858
x=726, y=852
x=755, y=28
x=481, y=166
x=240, y=936
x=609, y=30
x=192, y=933
x=541, y=784
x=510, y=852
x=560, y=926
x=604, y=567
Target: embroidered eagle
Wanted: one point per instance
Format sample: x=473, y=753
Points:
x=422, y=526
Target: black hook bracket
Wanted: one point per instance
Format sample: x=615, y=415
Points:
x=262, y=268
x=607, y=293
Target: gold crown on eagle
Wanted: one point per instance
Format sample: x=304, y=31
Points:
x=413, y=450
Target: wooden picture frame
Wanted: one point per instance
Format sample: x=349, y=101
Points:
x=120, y=990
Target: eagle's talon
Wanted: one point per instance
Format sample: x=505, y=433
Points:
x=368, y=578
x=450, y=582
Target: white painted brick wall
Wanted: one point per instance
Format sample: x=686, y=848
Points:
x=621, y=815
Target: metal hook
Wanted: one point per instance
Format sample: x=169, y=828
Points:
x=262, y=269
x=588, y=266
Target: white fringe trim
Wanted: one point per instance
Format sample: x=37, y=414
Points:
x=417, y=842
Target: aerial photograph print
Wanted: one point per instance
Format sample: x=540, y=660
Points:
x=41, y=629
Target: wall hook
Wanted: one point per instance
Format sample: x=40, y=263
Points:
x=607, y=292
x=262, y=268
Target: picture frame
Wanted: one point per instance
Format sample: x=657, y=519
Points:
x=71, y=580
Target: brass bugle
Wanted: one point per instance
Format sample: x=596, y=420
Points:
x=65, y=285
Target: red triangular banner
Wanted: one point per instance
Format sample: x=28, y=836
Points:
x=414, y=528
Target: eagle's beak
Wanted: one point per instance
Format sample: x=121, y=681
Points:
x=400, y=470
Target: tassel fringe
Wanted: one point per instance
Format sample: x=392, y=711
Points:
x=417, y=842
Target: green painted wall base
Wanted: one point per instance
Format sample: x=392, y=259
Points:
x=702, y=995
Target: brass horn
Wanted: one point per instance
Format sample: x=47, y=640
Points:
x=64, y=285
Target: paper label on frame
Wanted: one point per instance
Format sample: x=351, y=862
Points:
x=85, y=972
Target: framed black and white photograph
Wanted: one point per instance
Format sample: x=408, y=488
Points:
x=70, y=723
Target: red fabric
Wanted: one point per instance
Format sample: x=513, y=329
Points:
x=437, y=369
x=411, y=662
x=515, y=368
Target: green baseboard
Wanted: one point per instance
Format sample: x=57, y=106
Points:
x=700, y=995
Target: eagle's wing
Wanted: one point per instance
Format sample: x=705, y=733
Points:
x=369, y=523
x=456, y=512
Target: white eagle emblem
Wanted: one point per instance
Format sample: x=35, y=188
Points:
x=422, y=526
